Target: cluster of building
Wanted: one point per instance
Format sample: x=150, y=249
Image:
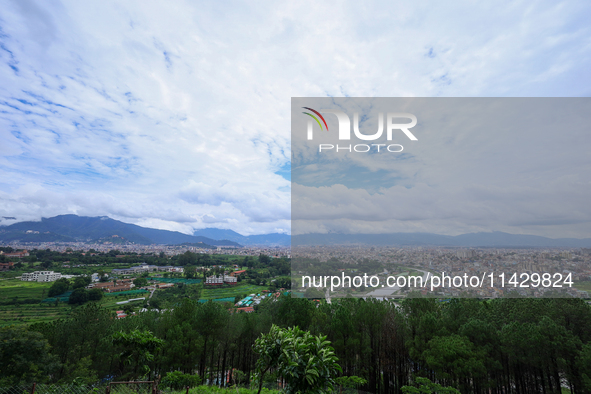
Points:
x=221, y=280
x=113, y=287
x=12, y=255
x=248, y=303
x=230, y=279
x=140, y=269
x=169, y=250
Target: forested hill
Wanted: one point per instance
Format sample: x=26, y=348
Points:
x=68, y=228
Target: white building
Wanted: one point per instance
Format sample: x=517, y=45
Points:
x=41, y=276
x=220, y=280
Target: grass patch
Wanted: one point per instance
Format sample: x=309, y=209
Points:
x=585, y=286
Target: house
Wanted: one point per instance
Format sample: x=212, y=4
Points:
x=237, y=273
x=6, y=266
x=145, y=268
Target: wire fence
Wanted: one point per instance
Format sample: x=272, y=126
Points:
x=114, y=388
x=51, y=389
x=123, y=388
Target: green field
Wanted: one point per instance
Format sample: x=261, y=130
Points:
x=15, y=288
x=585, y=286
x=33, y=313
x=209, y=293
x=11, y=289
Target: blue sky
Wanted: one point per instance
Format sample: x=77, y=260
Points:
x=176, y=115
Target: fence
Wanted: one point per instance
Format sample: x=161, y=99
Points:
x=149, y=387
x=51, y=389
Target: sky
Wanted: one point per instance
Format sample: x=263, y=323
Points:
x=176, y=115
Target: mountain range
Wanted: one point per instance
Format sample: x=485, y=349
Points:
x=483, y=239
x=71, y=228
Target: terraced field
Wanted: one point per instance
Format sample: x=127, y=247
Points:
x=11, y=289
x=212, y=292
x=33, y=313
x=15, y=289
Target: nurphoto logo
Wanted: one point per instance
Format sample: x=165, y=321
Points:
x=344, y=130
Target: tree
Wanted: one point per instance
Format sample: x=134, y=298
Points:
x=24, y=356
x=188, y=258
x=190, y=273
x=137, y=350
x=140, y=282
x=306, y=362
x=78, y=296
x=95, y=295
x=264, y=259
x=313, y=292
x=350, y=382
x=81, y=281
x=60, y=286
x=177, y=380
x=425, y=386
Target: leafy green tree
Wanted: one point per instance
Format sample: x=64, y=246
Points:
x=306, y=362
x=95, y=294
x=188, y=258
x=137, y=350
x=454, y=356
x=81, y=281
x=24, y=356
x=58, y=287
x=264, y=259
x=190, y=273
x=80, y=372
x=47, y=264
x=584, y=363
x=140, y=282
x=78, y=296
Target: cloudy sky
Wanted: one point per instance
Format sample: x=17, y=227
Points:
x=176, y=114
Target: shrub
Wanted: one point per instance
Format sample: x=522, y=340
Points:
x=177, y=380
